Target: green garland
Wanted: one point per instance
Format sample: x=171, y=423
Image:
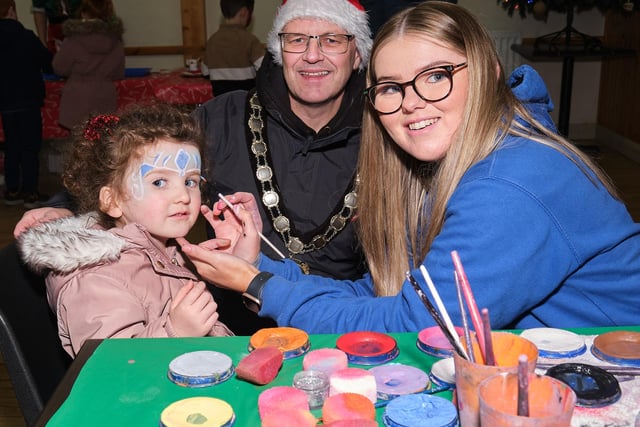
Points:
x=526, y=6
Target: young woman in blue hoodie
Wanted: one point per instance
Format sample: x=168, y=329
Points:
x=454, y=157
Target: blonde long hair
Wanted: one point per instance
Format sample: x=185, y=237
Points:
x=394, y=226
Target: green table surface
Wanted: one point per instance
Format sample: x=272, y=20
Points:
x=125, y=383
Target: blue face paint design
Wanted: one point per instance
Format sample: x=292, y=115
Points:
x=183, y=162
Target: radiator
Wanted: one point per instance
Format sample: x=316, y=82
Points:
x=504, y=40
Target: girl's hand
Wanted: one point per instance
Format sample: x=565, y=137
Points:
x=220, y=268
x=193, y=311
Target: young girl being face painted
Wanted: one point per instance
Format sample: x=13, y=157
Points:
x=161, y=190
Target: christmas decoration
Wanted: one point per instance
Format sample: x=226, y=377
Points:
x=522, y=7
x=568, y=37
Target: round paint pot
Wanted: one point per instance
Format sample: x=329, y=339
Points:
x=292, y=342
x=443, y=374
x=555, y=343
x=420, y=410
x=201, y=411
x=594, y=387
x=368, y=348
x=200, y=369
x=619, y=347
x=396, y=379
x=433, y=342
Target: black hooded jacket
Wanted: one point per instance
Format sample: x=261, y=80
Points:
x=313, y=171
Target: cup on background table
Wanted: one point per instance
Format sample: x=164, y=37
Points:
x=551, y=402
x=192, y=65
x=507, y=347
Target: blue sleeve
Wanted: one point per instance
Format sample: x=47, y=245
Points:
x=500, y=231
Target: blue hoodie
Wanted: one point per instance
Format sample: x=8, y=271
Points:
x=541, y=244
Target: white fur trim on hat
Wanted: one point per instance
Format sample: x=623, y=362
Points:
x=344, y=13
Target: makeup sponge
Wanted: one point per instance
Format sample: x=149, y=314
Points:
x=347, y=406
x=261, y=366
x=327, y=360
x=281, y=398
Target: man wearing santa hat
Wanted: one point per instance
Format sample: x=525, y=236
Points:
x=293, y=142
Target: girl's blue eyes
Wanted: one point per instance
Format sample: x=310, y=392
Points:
x=189, y=182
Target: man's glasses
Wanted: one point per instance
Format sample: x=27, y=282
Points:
x=432, y=85
x=331, y=44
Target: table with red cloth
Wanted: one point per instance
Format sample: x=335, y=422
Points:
x=173, y=87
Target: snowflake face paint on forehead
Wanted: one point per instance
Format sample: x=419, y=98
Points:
x=167, y=156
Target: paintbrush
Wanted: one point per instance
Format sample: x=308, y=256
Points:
x=465, y=322
x=523, y=387
x=471, y=302
x=434, y=314
x=264, y=239
x=443, y=311
x=489, y=357
x=614, y=370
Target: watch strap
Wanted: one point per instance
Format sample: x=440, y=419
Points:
x=252, y=297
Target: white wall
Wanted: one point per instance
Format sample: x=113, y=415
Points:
x=586, y=75
x=157, y=22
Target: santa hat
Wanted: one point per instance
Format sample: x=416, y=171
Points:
x=348, y=14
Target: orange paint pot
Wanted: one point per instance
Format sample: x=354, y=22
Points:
x=507, y=347
x=551, y=402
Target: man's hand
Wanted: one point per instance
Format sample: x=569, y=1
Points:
x=35, y=217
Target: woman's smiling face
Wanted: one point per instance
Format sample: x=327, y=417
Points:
x=423, y=129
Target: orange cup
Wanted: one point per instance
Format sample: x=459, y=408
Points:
x=551, y=402
x=507, y=347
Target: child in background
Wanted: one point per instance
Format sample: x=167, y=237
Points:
x=22, y=93
x=91, y=57
x=116, y=271
x=233, y=54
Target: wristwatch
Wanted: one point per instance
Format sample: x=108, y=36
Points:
x=252, y=297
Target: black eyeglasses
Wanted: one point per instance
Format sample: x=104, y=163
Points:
x=332, y=44
x=432, y=85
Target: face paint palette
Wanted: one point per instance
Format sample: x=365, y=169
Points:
x=594, y=387
x=292, y=342
x=555, y=343
x=619, y=347
x=201, y=411
x=433, y=342
x=368, y=348
x=200, y=369
x=443, y=374
x=395, y=379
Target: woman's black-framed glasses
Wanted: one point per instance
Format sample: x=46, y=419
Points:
x=432, y=85
x=330, y=43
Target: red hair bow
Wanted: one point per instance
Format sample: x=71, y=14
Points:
x=98, y=125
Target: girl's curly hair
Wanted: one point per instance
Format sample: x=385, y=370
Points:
x=104, y=147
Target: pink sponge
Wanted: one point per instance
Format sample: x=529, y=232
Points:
x=260, y=366
x=327, y=360
x=289, y=417
x=352, y=423
x=347, y=406
x=281, y=398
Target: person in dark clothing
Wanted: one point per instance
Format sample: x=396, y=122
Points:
x=309, y=102
x=22, y=94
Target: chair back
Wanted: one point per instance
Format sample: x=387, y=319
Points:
x=29, y=340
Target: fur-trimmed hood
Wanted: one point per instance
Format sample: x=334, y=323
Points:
x=86, y=26
x=69, y=243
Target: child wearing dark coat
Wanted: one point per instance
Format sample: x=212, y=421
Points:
x=22, y=93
